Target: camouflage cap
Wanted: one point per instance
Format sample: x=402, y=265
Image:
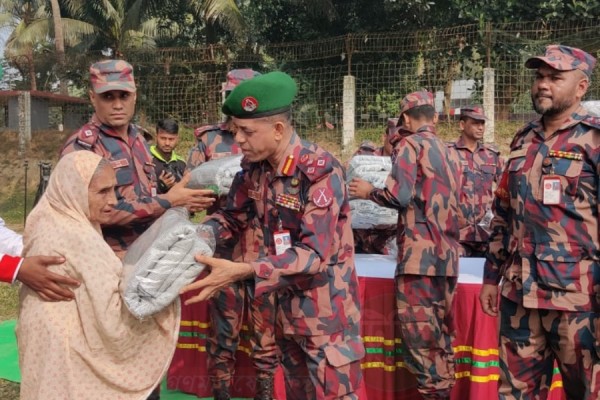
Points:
x=262, y=96
x=235, y=76
x=475, y=112
x=110, y=75
x=416, y=99
x=564, y=58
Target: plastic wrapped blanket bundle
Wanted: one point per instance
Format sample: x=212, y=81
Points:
x=217, y=173
x=161, y=261
x=365, y=213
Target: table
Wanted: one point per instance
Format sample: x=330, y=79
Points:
x=475, y=345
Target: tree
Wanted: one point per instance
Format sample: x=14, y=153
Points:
x=32, y=29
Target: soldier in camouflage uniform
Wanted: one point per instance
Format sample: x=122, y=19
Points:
x=111, y=135
x=374, y=241
x=482, y=167
x=545, y=238
x=226, y=308
x=424, y=187
x=295, y=192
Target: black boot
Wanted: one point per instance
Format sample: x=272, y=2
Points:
x=264, y=388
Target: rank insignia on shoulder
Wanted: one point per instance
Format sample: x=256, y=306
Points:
x=289, y=166
x=310, y=170
x=88, y=133
x=320, y=162
x=322, y=197
x=304, y=158
x=288, y=201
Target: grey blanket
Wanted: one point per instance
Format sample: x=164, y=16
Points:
x=161, y=261
x=217, y=173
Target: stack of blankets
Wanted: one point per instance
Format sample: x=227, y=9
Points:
x=365, y=213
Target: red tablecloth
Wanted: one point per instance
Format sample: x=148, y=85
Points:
x=475, y=346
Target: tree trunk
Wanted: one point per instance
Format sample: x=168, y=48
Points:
x=59, y=41
x=31, y=69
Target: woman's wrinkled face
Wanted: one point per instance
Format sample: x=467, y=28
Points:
x=101, y=195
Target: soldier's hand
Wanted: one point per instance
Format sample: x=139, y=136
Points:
x=193, y=199
x=359, y=188
x=167, y=178
x=222, y=274
x=35, y=274
x=488, y=297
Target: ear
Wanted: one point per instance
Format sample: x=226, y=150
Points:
x=582, y=88
x=461, y=124
x=435, y=118
x=279, y=127
x=92, y=95
x=405, y=121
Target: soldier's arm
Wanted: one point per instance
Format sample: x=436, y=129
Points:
x=229, y=221
x=400, y=184
x=197, y=155
x=499, y=238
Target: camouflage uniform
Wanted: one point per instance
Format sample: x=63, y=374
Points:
x=481, y=169
x=371, y=241
x=549, y=254
x=212, y=142
x=423, y=186
x=226, y=309
x=314, y=281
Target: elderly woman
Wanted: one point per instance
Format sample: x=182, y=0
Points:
x=91, y=347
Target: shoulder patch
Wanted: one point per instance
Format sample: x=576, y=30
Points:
x=314, y=165
x=199, y=132
x=87, y=135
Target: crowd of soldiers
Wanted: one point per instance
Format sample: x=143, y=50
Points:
x=286, y=247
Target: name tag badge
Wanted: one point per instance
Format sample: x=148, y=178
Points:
x=153, y=191
x=282, y=240
x=551, y=190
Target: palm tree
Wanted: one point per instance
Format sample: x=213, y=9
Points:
x=33, y=28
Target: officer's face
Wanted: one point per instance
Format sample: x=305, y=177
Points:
x=114, y=108
x=101, y=195
x=166, y=141
x=472, y=128
x=258, y=138
x=554, y=92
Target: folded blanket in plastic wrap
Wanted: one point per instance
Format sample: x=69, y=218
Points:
x=161, y=261
x=373, y=169
x=365, y=213
x=217, y=173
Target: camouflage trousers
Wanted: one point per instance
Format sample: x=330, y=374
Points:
x=226, y=311
x=532, y=339
x=322, y=367
x=425, y=319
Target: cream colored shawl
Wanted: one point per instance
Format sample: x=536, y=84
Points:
x=91, y=347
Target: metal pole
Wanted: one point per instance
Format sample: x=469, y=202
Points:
x=25, y=196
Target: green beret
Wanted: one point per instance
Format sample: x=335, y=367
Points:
x=262, y=96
